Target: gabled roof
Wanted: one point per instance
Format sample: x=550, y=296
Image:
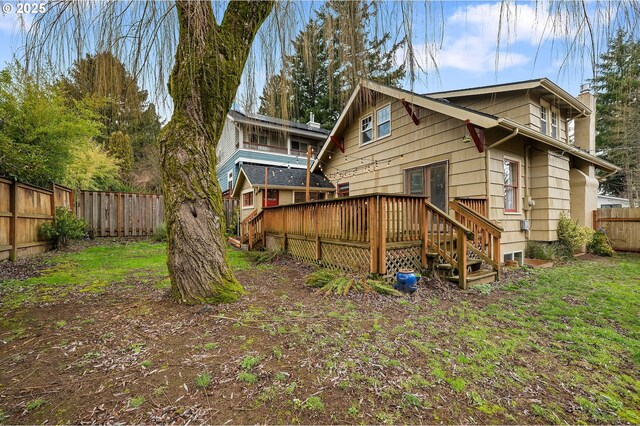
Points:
x=545, y=88
x=447, y=108
x=277, y=124
x=350, y=112
x=281, y=178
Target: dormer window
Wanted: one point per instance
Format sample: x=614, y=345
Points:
x=367, y=129
x=554, y=125
x=543, y=119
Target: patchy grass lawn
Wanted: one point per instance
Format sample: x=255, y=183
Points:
x=95, y=338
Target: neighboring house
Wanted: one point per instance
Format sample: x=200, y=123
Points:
x=504, y=145
x=609, y=201
x=258, y=139
x=284, y=186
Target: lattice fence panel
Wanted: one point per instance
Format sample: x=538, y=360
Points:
x=403, y=258
x=274, y=243
x=346, y=258
x=302, y=250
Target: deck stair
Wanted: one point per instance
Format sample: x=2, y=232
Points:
x=382, y=234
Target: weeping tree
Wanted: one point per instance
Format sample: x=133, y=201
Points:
x=207, y=56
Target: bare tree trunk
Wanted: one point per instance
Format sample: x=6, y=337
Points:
x=208, y=66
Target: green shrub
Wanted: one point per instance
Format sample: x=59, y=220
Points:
x=540, y=250
x=161, y=233
x=600, y=245
x=572, y=235
x=66, y=227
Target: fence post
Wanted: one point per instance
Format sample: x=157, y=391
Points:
x=53, y=201
x=284, y=229
x=462, y=258
x=382, y=236
x=595, y=220
x=13, y=221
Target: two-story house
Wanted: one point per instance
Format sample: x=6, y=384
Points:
x=503, y=149
x=266, y=142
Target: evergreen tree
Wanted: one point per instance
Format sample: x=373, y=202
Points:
x=330, y=56
x=617, y=85
x=103, y=81
x=119, y=147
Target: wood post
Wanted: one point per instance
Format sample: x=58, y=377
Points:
x=373, y=234
x=317, y=231
x=423, y=235
x=595, y=220
x=308, y=198
x=13, y=222
x=119, y=215
x=495, y=242
x=382, y=236
x=284, y=230
x=462, y=259
x=53, y=201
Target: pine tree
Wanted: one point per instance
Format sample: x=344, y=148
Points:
x=617, y=85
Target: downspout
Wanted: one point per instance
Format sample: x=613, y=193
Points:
x=487, y=165
x=527, y=190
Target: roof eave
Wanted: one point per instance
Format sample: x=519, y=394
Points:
x=533, y=134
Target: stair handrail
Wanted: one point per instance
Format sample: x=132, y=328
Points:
x=435, y=238
x=491, y=226
x=489, y=251
x=255, y=230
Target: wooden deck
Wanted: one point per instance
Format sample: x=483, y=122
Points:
x=378, y=234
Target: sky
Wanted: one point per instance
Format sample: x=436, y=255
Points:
x=473, y=48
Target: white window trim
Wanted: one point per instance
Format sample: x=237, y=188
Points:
x=547, y=107
x=512, y=255
x=520, y=179
x=230, y=179
x=253, y=199
x=377, y=137
x=556, y=112
x=373, y=127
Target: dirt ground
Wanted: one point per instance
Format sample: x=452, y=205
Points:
x=280, y=355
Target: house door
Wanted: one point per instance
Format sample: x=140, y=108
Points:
x=431, y=181
x=273, y=197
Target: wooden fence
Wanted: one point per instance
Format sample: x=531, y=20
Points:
x=622, y=226
x=119, y=214
x=379, y=233
x=230, y=206
x=23, y=209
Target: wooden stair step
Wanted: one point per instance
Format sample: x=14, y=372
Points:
x=444, y=266
x=474, y=278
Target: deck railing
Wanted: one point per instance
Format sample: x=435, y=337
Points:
x=378, y=233
x=477, y=204
x=486, y=243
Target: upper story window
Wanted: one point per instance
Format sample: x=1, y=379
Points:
x=230, y=180
x=247, y=199
x=343, y=189
x=554, y=125
x=511, y=186
x=383, y=122
x=367, y=129
x=543, y=119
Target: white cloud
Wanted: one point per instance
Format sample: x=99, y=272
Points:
x=488, y=37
